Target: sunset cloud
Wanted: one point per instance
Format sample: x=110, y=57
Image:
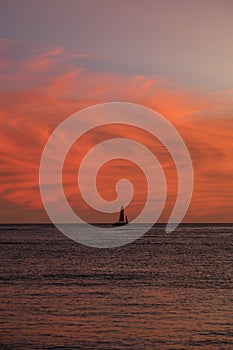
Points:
x=41, y=87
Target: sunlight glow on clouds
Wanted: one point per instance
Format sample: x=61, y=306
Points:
x=40, y=87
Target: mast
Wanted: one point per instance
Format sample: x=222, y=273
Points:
x=122, y=214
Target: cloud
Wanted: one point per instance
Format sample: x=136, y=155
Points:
x=43, y=87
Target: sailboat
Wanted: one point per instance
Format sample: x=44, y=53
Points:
x=123, y=220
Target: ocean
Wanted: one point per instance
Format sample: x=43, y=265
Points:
x=163, y=291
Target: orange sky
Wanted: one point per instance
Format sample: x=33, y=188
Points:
x=44, y=95
x=58, y=57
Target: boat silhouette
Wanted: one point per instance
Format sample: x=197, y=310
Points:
x=123, y=220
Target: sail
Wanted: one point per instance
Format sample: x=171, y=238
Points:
x=122, y=214
x=123, y=220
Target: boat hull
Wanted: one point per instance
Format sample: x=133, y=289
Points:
x=118, y=223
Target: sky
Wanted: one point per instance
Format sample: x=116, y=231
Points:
x=57, y=57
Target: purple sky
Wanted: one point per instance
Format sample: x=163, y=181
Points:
x=189, y=41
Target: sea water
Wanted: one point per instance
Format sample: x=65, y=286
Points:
x=163, y=291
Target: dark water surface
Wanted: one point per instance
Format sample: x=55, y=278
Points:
x=164, y=291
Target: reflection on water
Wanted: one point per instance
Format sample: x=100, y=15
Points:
x=164, y=291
